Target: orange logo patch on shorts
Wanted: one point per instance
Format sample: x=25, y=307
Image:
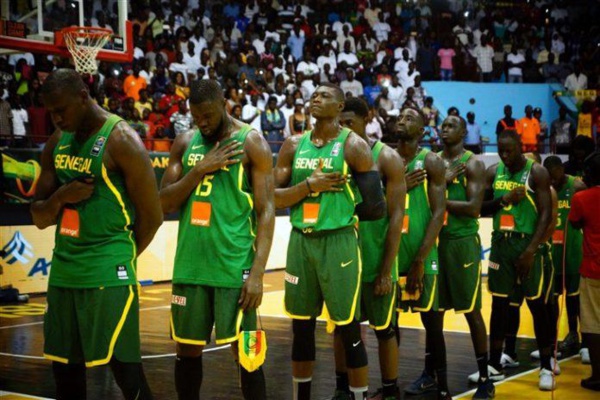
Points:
x=507, y=222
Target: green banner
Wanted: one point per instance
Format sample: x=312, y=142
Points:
x=20, y=171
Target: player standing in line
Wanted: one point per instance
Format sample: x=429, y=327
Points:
x=515, y=260
x=97, y=185
x=324, y=261
x=418, y=256
x=460, y=246
x=379, y=242
x=220, y=178
x=567, y=253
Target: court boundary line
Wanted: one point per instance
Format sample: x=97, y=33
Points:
x=146, y=357
x=513, y=377
x=29, y=396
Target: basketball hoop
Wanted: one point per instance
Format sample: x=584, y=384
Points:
x=84, y=43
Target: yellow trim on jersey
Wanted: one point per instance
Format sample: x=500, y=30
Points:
x=497, y=294
x=550, y=289
x=116, y=333
x=345, y=173
x=119, y=198
x=390, y=312
x=56, y=358
x=181, y=340
x=541, y=285
x=474, y=299
x=431, y=298
x=238, y=325
x=240, y=182
x=356, y=291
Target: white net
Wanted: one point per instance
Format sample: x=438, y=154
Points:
x=84, y=43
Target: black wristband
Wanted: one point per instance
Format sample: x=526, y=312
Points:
x=308, y=186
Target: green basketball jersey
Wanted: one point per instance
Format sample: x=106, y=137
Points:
x=95, y=244
x=417, y=215
x=523, y=216
x=372, y=237
x=570, y=238
x=217, y=222
x=459, y=226
x=327, y=210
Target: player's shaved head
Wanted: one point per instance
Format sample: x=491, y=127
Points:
x=205, y=90
x=64, y=80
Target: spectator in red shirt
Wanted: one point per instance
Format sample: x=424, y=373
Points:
x=584, y=214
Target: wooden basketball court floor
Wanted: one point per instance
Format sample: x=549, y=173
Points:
x=24, y=374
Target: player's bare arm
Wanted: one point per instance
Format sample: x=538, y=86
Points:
x=49, y=197
x=476, y=183
x=540, y=183
x=436, y=192
x=175, y=188
x=391, y=168
x=288, y=196
x=260, y=165
x=359, y=157
x=126, y=154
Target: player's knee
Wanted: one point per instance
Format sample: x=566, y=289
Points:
x=356, y=354
x=385, y=334
x=188, y=350
x=303, y=345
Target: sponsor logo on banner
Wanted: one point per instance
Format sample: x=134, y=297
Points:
x=19, y=251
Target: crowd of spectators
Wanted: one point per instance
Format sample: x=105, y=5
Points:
x=269, y=57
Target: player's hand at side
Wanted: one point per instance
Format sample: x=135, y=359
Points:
x=252, y=293
x=220, y=156
x=524, y=264
x=515, y=195
x=415, y=178
x=383, y=284
x=320, y=181
x=414, y=278
x=452, y=173
x=76, y=191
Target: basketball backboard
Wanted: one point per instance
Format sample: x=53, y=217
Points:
x=34, y=26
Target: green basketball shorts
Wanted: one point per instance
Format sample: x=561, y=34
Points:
x=460, y=274
x=196, y=309
x=92, y=325
x=502, y=275
x=380, y=311
x=323, y=266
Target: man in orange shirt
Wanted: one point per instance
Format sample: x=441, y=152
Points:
x=134, y=83
x=529, y=130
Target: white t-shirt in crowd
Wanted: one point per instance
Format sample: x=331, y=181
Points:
x=19, y=118
x=515, y=59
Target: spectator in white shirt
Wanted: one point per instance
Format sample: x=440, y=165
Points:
x=577, y=80
x=401, y=66
x=347, y=57
x=558, y=46
x=515, y=63
x=382, y=29
x=191, y=59
x=327, y=57
x=484, y=54
x=373, y=129
x=344, y=36
x=351, y=85
x=396, y=92
x=179, y=66
x=408, y=79
x=307, y=66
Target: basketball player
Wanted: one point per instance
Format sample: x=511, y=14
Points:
x=220, y=179
x=418, y=256
x=516, y=263
x=379, y=245
x=324, y=261
x=97, y=185
x=567, y=244
x=460, y=245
